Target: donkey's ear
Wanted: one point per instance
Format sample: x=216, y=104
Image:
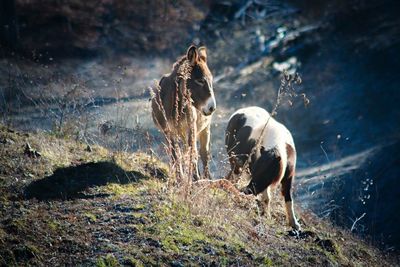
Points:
x=203, y=53
x=192, y=54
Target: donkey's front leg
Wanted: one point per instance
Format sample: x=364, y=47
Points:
x=204, y=137
x=192, y=141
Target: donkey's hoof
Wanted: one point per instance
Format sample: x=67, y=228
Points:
x=207, y=175
x=247, y=190
x=294, y=233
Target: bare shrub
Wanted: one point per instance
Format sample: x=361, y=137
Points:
x=67, y=110
x=181, y=152
x=9, y=99
x=286, y=90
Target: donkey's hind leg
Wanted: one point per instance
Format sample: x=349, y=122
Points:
x=287, y=194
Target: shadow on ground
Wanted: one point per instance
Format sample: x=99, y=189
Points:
x=71, y=182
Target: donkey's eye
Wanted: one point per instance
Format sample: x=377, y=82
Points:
x=200, y=81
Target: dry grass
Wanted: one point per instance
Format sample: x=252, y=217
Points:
x=147, y=220
x=179, y=133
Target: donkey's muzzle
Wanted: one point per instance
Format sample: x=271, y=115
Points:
x=209, y=107
x=209, y=112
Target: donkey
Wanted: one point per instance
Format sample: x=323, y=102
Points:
x=183, y=105
x=253, y=137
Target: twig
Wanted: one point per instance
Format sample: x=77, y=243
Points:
x=357, y=219
x=286, y=85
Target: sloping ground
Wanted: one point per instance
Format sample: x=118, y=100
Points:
x=64, y=202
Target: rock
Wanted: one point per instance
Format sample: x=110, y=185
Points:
x=88, y=148
x=209, y=250
x=10, y=141
x=176, y=264
x=122, y=208
x=197, y=222
x=7, y=141
x=327, y=244
x=153, y=243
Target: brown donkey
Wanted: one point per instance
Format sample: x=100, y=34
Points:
x=183, y=105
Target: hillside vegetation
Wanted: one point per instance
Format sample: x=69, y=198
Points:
x=66, y=203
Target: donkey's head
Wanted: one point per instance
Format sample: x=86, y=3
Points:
x=200, y=82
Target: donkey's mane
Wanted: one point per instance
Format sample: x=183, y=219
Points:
x=178, y=63
x=182, y=68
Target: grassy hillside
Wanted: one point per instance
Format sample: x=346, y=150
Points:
x=65, y=203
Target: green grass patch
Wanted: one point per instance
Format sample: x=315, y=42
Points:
x=173, y=224
x=108, y=261
x=53, y=225
x=90, y=217
x=133, y=189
